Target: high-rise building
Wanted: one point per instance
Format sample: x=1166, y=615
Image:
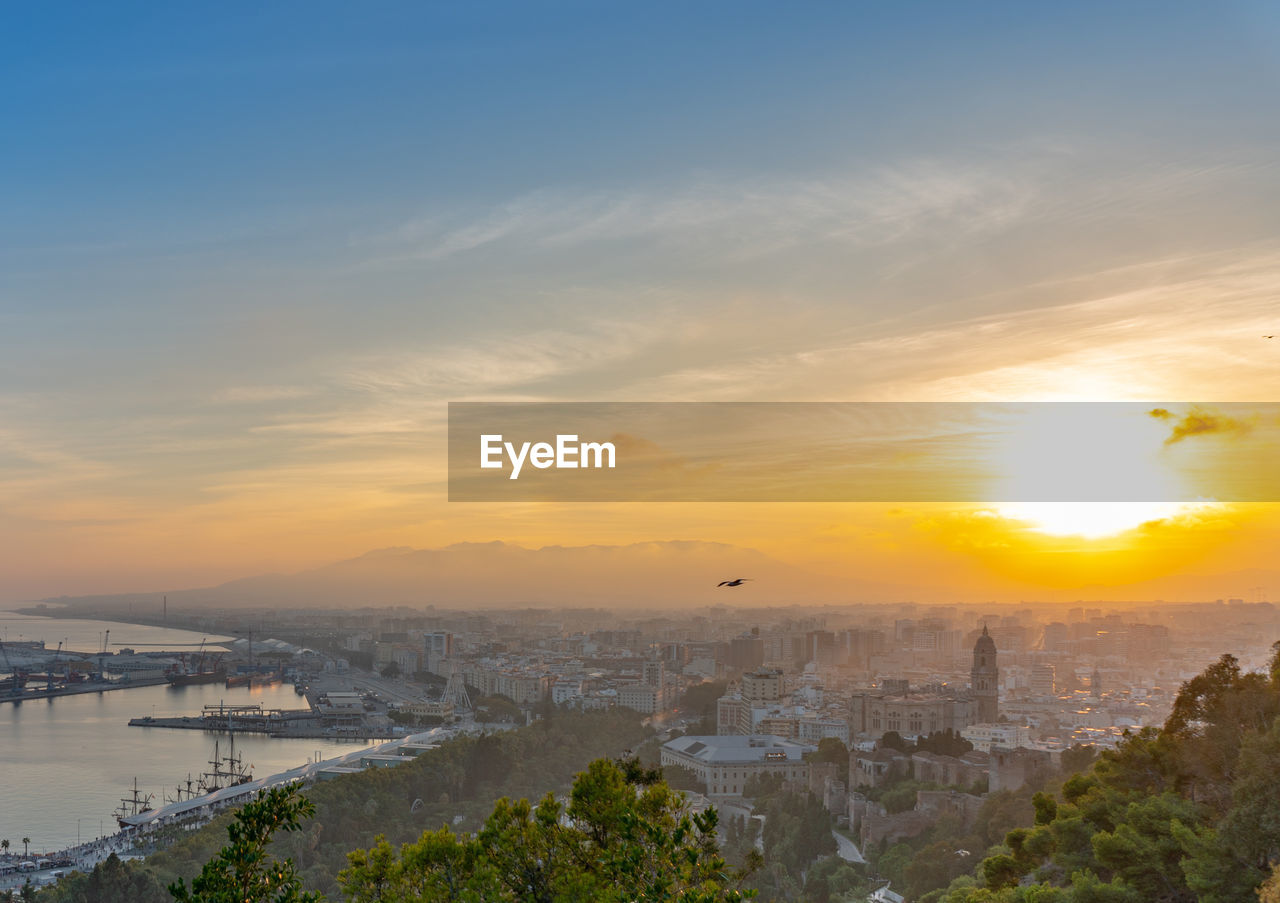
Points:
x=1043, y=680
x=984, y=679
x=762, y=686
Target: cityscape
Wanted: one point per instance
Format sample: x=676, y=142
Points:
x=564, y=452
x=945, y=704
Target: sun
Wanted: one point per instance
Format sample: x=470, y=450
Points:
x=1092, y=520
x=1087, y=470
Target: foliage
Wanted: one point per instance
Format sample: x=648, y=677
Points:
x=624, y=835
x=797, y=830
x=244, y=872
x=499, y=708
x=700, y=699
x=831, y=749
x=1190, y=812
x=110, y=881
x=459, y=780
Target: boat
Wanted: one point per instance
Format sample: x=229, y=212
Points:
x=131, y=806
x=228, y=771
x=189, y=678
x=202, y=672
x=186, y=790
x=254, y=680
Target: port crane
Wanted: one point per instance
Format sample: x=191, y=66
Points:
x=53, y=666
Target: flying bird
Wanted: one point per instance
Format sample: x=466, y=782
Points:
x=1268, y=337
x=738, y=582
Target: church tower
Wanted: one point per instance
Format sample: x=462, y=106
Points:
x=984, y=679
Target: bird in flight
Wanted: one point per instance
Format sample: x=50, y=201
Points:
x=1268, y=337
x=738, y=582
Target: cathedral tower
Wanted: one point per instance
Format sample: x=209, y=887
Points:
x=984, y=679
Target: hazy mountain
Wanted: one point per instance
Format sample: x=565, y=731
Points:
x=654, y=575
x=651, y=574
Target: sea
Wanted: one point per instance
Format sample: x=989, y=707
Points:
x=66, y=763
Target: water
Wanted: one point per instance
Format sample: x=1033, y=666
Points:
x=86, y=636
x=66, y=763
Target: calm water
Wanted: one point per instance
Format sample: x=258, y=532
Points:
x=69, y=759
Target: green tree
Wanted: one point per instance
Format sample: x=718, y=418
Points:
x=624, y=835
x=110, y=881
x=244, y=872
x=831, y=749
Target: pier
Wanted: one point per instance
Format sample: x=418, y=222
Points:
x=254, y=719
x=81, y=689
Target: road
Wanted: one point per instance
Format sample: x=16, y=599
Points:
x=846, y=849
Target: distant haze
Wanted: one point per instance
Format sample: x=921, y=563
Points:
x=640, y=576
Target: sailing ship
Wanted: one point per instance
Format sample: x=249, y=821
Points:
x=228, y=771
x=131, y=806
x=188, y=789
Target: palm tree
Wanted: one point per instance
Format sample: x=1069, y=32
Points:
x=4, y=845
x=26, y=842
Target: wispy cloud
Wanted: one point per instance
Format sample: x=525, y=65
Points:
x=746, y=216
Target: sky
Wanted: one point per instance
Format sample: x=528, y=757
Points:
x=249, y=253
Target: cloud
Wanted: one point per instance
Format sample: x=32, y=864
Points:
x=259, y=394
x=1199, y=422
x=744, y=216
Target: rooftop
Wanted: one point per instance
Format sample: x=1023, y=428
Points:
x=739, y=748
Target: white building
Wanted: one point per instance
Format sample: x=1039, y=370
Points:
x=1007, y=736
x=725, y=763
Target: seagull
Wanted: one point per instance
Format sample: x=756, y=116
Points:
x=1268, y=337
x=738, y=582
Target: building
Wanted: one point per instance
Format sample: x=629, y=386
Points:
x=984, y=679
x=731, y=714
x=762, y=686
x=1043, y=680
x=642, y=697
x=985, y=736
x=876, y=713
x=746, y=652
x=1011, y=768
x=725, y=764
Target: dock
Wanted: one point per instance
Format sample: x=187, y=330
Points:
x=82, y=689
x=254, y=719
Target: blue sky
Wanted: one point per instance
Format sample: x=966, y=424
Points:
x=249, y=247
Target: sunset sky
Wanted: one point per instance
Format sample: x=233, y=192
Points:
x=248, y=253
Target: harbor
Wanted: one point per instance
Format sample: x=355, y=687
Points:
x=71, y=757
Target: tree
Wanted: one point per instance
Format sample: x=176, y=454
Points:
x=1269, y=892
x=243, y=872
x=4, y=845
x=391, y=670
x=110, y=881
x=624, y=835
x=831, y=749
x=26, y=842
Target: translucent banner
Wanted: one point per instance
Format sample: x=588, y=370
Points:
x=864, y=452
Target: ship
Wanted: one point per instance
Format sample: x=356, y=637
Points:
x=186, y=790
x=202, y=672
x=189, y=678
x=228, y=771
x=253, y=681
x=131, y=806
